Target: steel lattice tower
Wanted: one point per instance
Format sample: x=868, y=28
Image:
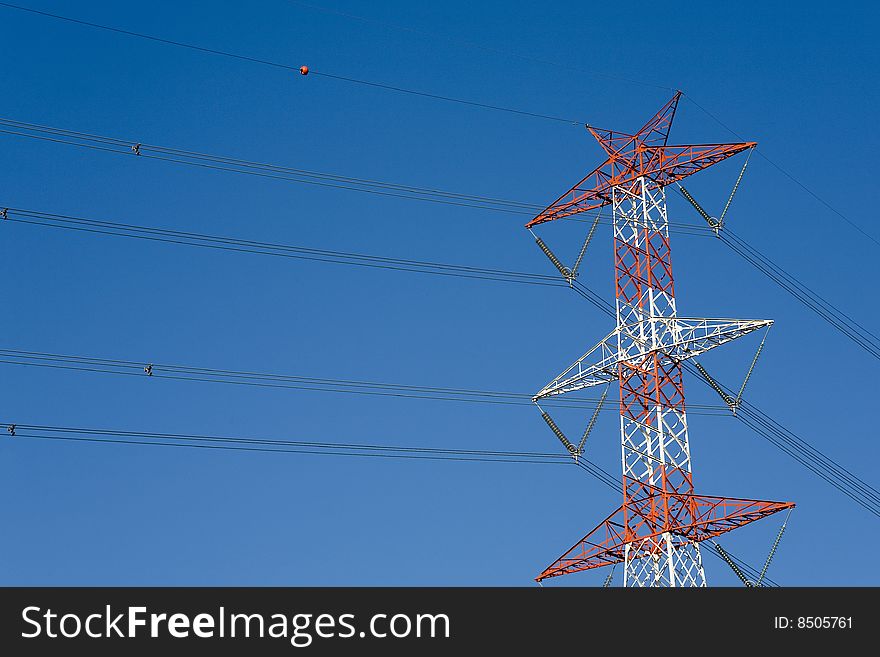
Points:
x=657, y=530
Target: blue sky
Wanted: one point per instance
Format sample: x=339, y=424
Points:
x=802, y=83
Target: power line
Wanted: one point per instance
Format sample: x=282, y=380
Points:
x=479, y=46
x=281, y=450
x=837, y=318
x=811, y=458
x=287, y=381
x=221, y=163
x=132, y=148
x=595, y=471
x=805, y=454
x=786, y=173
x=471, y=103
x=779, y=436
x=299, y=447
x=237, y=245
x=170, y=42
x=290, y=67
x=843, y=322
x=238, y=443
x=783, y=439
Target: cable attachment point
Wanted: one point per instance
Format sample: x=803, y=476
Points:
x=136, y=149
x=11, y=429
x=148, y=369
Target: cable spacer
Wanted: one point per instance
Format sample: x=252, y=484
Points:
x=148, y=369
x=136, y=149
x=11, y=429
x=4, y=213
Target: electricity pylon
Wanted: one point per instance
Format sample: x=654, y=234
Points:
x=657, y=530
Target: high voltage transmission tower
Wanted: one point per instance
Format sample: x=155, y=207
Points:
x=657, y=531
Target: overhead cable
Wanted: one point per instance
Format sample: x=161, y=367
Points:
x=293, y=68
x=120, y=437
x=786, y=173
x=157, y=370
x=238, y=245
x=134, y=148
x=299, y=447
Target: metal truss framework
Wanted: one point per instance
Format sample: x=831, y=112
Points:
x=631, y=157
x=657, y=530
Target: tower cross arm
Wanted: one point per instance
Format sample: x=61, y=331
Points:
x=630, y=157
x=669, y=164
x=677, y=338
x=683, y=338
x=597, y=366
x=601, y=547
x=661, y=165
x=606, y=544
x=591, y=192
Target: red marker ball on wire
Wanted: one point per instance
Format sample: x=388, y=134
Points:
x=304, y=70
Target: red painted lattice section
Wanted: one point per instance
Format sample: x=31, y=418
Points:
x=711, y=517
x=630, y=157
